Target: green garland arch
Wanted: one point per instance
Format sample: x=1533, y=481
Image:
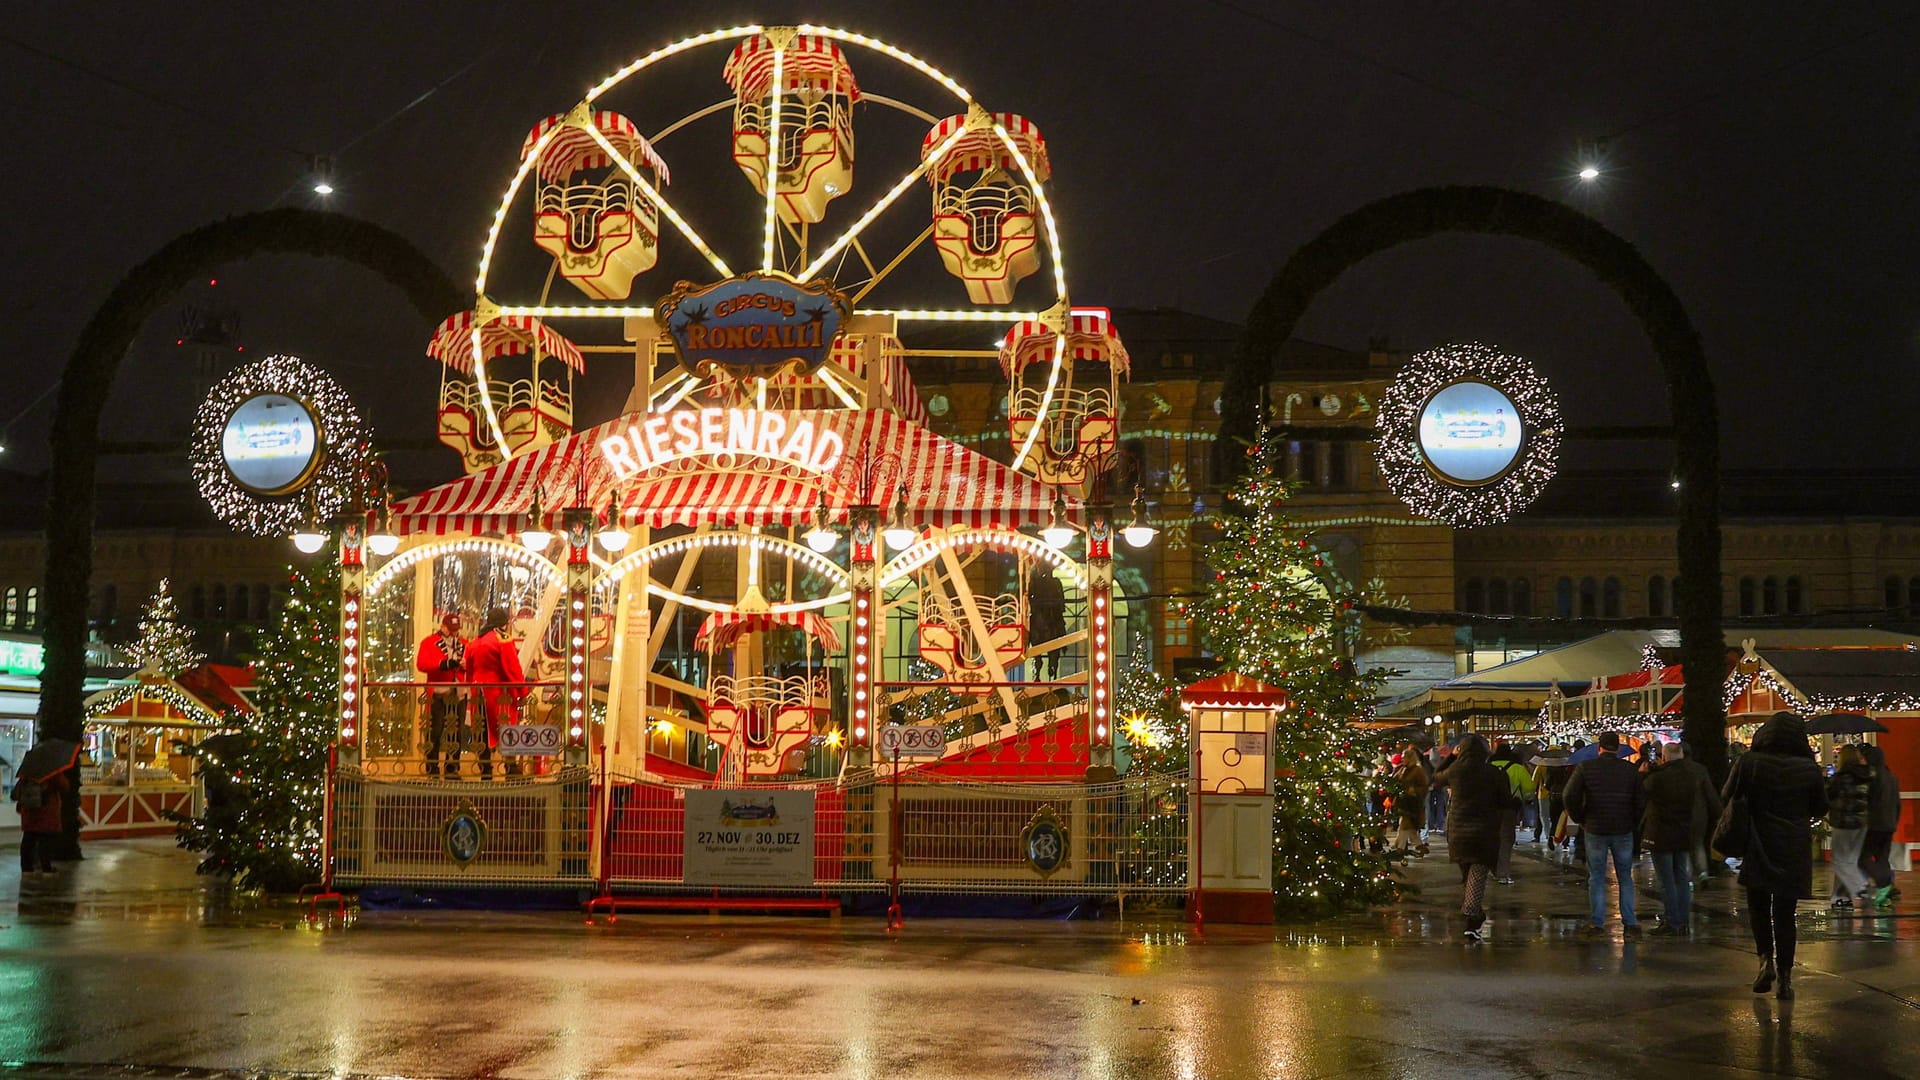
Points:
x=1416, y=215
x=95, y=362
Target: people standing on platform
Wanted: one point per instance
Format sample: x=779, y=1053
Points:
x=1784, y=792
x=1605, y=797
x=1478, y=798
x=1849, y=805
x=1680, y=802
x=1410, y=801
x=442, y=658
x=1883, y=818
x=493, y=665
x=1046, y=620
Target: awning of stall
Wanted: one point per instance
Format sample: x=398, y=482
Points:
x=723, y=628
x=945, y=483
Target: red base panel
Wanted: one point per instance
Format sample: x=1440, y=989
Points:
x=712, y=903
x=1252, y=907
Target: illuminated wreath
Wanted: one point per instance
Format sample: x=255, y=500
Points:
x=1413, y=476
x=326, y=486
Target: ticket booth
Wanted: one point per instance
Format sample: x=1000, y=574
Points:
x=1230, y=738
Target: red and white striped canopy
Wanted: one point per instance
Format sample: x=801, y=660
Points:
x=723, y=628
x=981, y=148
x=500, y=335
x=809, y=61
x=946, y=484
x=572, y=149
x=1090, y=336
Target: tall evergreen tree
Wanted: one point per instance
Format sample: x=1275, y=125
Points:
x=1276, y=609
x=164, y=643
x=266, y=782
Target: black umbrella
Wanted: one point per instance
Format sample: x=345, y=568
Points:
x=1842, y=723
x=47, y=757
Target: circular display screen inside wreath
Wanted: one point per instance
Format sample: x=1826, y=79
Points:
x=1470, y=432
x=271, y=444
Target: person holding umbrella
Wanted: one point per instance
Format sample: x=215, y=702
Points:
x=42, y=781
x=1783, y=791
x=1849, y=798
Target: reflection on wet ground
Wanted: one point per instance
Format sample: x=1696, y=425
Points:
x=129, y=958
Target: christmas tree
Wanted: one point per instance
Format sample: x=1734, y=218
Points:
x=165, y=644
x=266, y=782
x=1153, y=730
x=1276, y=609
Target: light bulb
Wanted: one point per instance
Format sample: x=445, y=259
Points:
x=383, y=543
x=900, y=537
x=821, y=539
x=308, y=541
x=535, y=538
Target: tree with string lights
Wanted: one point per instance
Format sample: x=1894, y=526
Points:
x=164, y=644
x=1276, y=609
x=266, y=783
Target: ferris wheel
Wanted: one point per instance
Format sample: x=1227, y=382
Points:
x=805, y=155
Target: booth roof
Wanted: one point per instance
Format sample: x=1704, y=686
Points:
x=946, y=484
x=1233, y=688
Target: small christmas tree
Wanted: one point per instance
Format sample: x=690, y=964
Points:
x=1154, y=732
x=165, y=644
x=1277, y=610
x=266, y=782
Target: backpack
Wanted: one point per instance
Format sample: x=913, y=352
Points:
x=1522, y=782
x=30, y=794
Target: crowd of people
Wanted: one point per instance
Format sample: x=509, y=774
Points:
x=1605, y=806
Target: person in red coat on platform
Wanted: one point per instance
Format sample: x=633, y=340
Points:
x=442, y=658
x=493, y=664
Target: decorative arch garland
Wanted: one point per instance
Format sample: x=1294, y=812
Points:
x=335, y=478
x=1405, y=467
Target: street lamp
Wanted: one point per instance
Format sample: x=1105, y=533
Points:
x=899, y=535
x=614, y=537
x=534, y=533
x=308, y=538
x=1139, y=532
x=821, y=537
x=1589, y=173
x=1057, y=534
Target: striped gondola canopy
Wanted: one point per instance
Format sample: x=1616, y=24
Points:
x=572, y=149
x=810, y=61
x=1090, y=336
x=500, y=335
x=981, y=148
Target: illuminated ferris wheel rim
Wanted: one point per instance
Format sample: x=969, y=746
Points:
x=532, y=155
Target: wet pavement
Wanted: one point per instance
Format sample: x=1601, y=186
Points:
x=127, y=963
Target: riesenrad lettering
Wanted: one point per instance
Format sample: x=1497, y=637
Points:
x=762, y=433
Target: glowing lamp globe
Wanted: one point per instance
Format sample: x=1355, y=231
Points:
x=821, y=539
x=536, y=538
x=1057, y=535
x=900, y=537
x=1139, y=536
x=307, y=541
x=382, y=543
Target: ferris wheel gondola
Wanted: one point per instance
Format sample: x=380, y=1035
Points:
x=587, y=215
x=531, y=412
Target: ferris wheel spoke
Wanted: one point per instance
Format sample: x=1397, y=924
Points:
x=653, y=195
x=1046, y=213
x=772, y=183
x=853, y=231
x=881, y=274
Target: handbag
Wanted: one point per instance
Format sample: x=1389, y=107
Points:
x=1733, y=834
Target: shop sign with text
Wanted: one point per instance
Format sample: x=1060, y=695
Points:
x=753, y=326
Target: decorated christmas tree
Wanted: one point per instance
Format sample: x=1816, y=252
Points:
x=164, y=644
x=1276, y=609
x=1153, y=730
x=266, y=782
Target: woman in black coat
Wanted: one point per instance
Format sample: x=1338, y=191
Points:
x=1477, y=793
x=1785, y=792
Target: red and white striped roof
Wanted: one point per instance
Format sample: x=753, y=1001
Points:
x=1090, y=336
x=572, y=149
x=946, y=484
x=810, y=60
x=981, y=148
x=723, y=628
x=500, y=335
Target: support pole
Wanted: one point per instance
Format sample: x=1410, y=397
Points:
x=353, y=580
x=578, y=523
x=869, y=627
x=1100, y=646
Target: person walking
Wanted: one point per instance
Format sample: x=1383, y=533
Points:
x=1503, y=759
x=1680, y=799
x=1604, y=795
x=1883, y=817
x=1438, y=758
x=1784, y=793
x=1410, y=784
x=1478, y=795
x=1849, y=803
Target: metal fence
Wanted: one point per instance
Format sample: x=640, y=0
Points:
x=528, y=831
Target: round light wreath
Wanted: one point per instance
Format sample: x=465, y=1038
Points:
x=1425, y=490
x=326, y=488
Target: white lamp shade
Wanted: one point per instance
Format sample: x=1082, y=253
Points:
x=1057, y=536
x=615, y=538
x=383, y=544
x=1139, y=535
x=821, y=539
x=900, y=538
x=536, y=539
x=309, y=542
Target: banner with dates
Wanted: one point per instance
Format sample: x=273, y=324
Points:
x=739, y=836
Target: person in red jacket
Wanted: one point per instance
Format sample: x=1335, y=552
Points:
x=40, y=825
x=443, y=660
x=493, y=664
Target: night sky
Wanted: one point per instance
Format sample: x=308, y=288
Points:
x=1766, y=163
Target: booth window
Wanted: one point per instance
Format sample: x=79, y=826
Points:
x=1563, y=598
x=1522, y=596
x=1749, y=596
x=1657, y=596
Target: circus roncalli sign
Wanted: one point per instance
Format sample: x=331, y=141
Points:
x=754, y=326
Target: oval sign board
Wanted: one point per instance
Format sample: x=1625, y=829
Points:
x=756, y=325
x=271, y=444
x=1470, y=433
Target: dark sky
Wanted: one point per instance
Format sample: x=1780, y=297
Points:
x=1765, y=162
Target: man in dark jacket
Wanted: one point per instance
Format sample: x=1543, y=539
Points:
x=1681, y=800
x=1883, y=817
x=1605, y=797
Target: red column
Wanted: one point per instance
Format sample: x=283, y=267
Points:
x=579, y=691
x=353, y=577
x=1100, y=638
x=864, y=652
